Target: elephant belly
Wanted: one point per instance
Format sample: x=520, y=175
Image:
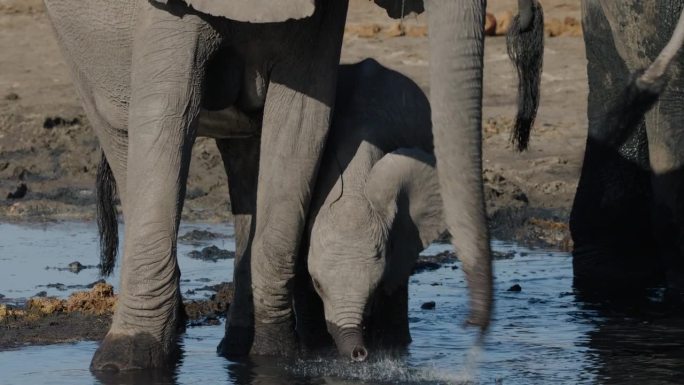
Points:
x=229, y=123
x=97, y=41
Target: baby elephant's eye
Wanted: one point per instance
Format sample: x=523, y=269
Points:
x=316, y=284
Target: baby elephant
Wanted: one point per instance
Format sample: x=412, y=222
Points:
x=376, y=205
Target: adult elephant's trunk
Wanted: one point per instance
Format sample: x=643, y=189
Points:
x=456, y=59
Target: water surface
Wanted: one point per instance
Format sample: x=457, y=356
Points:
x=541, y=334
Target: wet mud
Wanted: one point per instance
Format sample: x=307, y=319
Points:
x=86, y=315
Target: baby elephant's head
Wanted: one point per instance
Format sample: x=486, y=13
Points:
x=369, y=241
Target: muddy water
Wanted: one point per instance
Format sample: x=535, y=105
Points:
x=541, y=334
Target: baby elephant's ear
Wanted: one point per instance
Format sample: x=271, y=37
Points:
x=403, y=189
x=254, y=11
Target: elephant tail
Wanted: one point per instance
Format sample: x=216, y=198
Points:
x=107, y=224
x=525, y=45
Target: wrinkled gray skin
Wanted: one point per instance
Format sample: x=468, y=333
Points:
x=627, y=220
x=376, y=205
x=145, y=68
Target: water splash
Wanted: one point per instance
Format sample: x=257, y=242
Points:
x=381, y=370
x=470, y=369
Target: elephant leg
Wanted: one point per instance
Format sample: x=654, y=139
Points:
x=388, y=326
x=241, y=160
x=310, y=314
x=169, y=57
x=296, y=120
x=610, y=219
x=666, y=155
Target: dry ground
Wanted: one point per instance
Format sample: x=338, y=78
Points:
x=58, y=164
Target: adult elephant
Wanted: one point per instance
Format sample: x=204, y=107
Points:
x=144, y=68
x=627, y=220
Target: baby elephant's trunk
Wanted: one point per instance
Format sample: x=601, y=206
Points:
x=349, y=341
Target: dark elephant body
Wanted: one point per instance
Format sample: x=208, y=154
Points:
x=627, y=220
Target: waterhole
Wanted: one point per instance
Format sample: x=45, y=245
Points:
x=542, y=333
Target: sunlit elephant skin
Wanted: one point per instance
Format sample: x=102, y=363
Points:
x=144, y=69
x=627, y=220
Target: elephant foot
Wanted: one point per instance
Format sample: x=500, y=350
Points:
x=236, y=342
x=275, y=339
x=124, y=352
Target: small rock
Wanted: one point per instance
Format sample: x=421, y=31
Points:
x=454, y=267
x=41, y=294
x=497, y=256
x=2, y=296
x=19, y=193
x=52, y=122
x=92, y=285
x=422, y=266
x=436, y=284
x=430, y=305
x=198, y=235
x=12, y=96
x=58, y=286
x=515, y=288
x=211, y=253
x=195, y=193
x=75, y=267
